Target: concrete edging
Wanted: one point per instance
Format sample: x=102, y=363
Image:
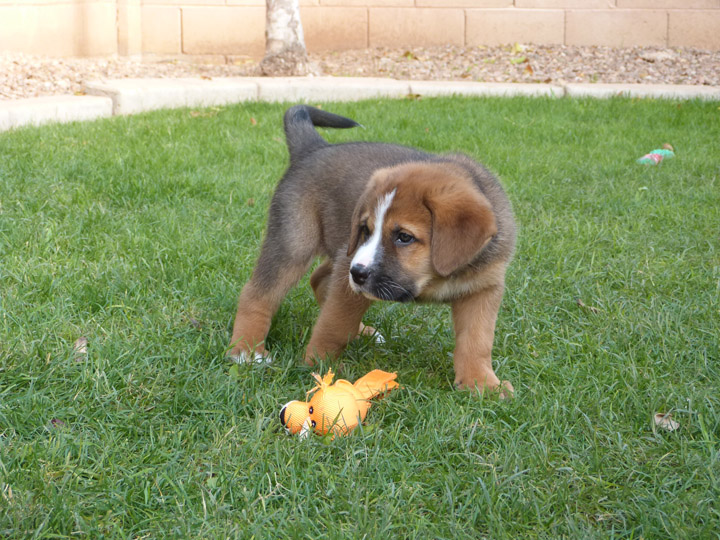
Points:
x=42, y=110
x=131, y=96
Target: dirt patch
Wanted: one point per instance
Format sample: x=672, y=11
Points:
x=23, y=76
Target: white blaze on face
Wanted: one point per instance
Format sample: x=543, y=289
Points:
x=367, y=253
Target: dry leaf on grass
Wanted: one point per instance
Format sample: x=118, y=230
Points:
x=195, y=323
x=581, y=304
x=80, y=346
x=666, y=422
x=205, y=114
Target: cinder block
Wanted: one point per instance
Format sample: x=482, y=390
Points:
x=334, y=28
x=43, y=110
x=497, y=27
x=59, y=29
x=223, y=30
x=130, y=96
x=368, y=3
x=565, y=4
x=465, y=3
x=620, y=28
x=668, y=4
x=401, y=27
x=161, y=30
x=129, y=27
x=699, y=29
x=181, y=3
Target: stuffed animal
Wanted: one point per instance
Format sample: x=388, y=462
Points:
x=656, y=156
x=336, y=408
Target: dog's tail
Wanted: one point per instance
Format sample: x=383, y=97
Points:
x=300, y=122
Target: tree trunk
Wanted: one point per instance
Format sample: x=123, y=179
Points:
x=285, y=52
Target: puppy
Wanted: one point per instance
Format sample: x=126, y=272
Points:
x=395, y=224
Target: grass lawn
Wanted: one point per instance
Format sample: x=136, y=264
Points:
x=139, y=232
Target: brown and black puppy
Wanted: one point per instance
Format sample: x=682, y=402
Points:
x=395, y=224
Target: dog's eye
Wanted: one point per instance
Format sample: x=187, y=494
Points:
x=404, y=239
x=364, y=231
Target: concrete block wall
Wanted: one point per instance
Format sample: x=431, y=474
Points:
x=59, y=28
x=222, y=30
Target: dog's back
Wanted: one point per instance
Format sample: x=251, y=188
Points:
x=322, y=176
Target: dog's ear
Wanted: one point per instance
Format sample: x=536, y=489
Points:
x=355, y=225
x=463, y=222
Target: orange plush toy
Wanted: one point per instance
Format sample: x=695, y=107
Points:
x=336, y=408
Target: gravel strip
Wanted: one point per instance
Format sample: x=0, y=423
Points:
x=23, y=76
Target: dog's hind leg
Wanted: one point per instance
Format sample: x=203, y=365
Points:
x=320, y=280
x=281, y=265
x=341, y=311
x=256, y=307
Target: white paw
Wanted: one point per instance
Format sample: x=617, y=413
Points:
x=371, y=332
x=251, y=358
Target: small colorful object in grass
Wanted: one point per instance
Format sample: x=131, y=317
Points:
x=338, y=408
x=656, y=156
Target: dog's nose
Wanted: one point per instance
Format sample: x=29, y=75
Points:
x=359, y=273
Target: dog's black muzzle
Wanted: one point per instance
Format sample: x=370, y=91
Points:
x=379, y=285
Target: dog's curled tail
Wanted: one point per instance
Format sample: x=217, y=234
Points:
x=300, y=122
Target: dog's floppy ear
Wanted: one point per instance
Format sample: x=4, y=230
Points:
x=463, y=222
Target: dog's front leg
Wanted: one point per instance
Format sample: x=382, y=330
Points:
x=474, y=318
x=340, y=315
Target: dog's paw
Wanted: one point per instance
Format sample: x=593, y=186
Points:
x=255, y=357
x=505, y=390
x=376, y=336
x=369, y=331
x=489, y=387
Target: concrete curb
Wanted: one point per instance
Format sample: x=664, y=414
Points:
x=477, y=89
x=42, y=110
x=131, y=96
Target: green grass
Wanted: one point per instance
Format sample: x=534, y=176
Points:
x=139, y=232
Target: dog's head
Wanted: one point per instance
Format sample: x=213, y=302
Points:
x=415, y=223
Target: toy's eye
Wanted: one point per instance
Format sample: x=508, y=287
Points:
x=311, y=410
x=313, y=423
